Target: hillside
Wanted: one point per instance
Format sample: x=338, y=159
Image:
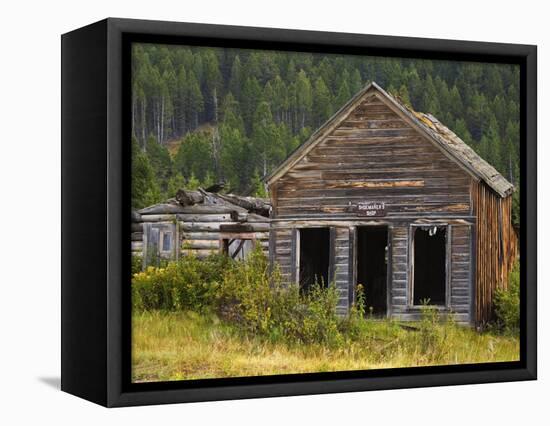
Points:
x=240, y=112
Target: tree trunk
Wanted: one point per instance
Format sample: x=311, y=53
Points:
x=158, y=122
x=143, y=121
x=162, y=121
x=252, y=204
x=215, y=99
x=133, y=116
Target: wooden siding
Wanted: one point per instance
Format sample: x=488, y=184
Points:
x=496, y=247
x=282, y=255
x=373, y=155
x=198, y=235
x=458, y=287
x=341, y=275
x=399, y=273
x=461, y=274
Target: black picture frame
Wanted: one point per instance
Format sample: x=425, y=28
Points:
x=96, y=212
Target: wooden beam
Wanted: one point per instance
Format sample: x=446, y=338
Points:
x=378, y=184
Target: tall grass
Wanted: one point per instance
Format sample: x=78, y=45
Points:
x=186, y=345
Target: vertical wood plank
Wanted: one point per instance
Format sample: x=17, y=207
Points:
x=352, y=264
x=389, y=278
x=448, y=265
x=332, y=256
x=294, y=256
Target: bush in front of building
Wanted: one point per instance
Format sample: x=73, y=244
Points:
x=243, y=293
x=189, y=283
x=256, y=300
x=506, y=304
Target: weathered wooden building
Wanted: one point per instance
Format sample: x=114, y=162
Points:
x=201, y=223
x=389, y=198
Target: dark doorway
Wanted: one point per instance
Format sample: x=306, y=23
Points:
x=314, y=257
x=372, y=258
x=429, y=265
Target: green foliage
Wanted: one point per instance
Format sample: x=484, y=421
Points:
x=175, y=183
x=258, y=187
x=145, y=189
x=259, y=303
x=429, y=339
x=160, y=159
x=506, y=303
x=243, y=293
x=189, y=283
x=194, y=155
x=137, y=263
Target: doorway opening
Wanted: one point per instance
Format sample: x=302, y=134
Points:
x=372, y=261
x=314, y=257
x=429, y=285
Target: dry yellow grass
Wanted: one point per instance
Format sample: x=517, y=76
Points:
x=185, y=345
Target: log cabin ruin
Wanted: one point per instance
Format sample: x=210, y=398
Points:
x=200, y=222
x=380, y=195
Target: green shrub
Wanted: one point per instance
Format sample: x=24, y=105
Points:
x=189, y=283
x=429, y=337
x=244, y=293
x=315, y=317
x=137, y=263
x=244, y=296
x=506, y=303
x=260, y=304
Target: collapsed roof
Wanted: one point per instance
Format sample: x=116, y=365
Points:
x=204, y=202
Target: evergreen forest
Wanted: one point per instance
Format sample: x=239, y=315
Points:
x=204, y=115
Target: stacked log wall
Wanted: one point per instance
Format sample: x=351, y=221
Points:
x=198, y=234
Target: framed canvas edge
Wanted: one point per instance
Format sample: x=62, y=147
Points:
x=118, y=395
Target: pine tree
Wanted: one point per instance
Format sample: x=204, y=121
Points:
x=279, y=105
x=194, y=155
x=322, y=102
x=212, y=84
x=257, y=186
x=175, y=183
x=160, y=159
x=236, y=81
x=462, y=131
x=251, y=96
x=355, y=81
x=268, y=148
x=304, y=97
x=145, y=189
x=234, y=159
x=192, y=183
x=181, y=102
x=195, y=101
x=343, y=95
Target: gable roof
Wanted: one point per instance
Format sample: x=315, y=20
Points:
x=448, y=142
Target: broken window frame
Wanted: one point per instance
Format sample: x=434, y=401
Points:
x=412, y=231
x=296, y=247
x=227, y=237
